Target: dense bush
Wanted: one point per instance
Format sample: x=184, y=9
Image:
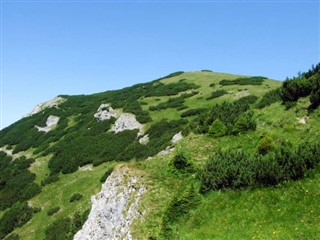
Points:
x=53, y=210
x=75, y=197
x=18, y=215
x=306, y=84
x=83, y=148
x=181, y=162
x=269, y=98
x=244, y=122
x=265, y=145
x=192, y=112
x=238, y=169
x=216, y=94
x=243, y=81
x=66, y=228
x=247, y=100
x=171, y=103
x=217, y=129
x=234, y=117
x=106, y=174
x=16, y=181
x=50, y=179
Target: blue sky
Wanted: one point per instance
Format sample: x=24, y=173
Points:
x=82, y=47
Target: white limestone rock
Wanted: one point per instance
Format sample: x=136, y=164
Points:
x=50, y=124
x=127, y=121
x=166, y=152
x=144, y=140
x=49, y=104
x=105, y=112
x=114, y=208
x=177, y=137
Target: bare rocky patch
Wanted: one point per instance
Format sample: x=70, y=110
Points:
x=115, y=207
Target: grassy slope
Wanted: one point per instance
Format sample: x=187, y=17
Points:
x=221, y=215
x=287, y=211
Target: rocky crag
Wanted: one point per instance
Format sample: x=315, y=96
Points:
x=114, y=208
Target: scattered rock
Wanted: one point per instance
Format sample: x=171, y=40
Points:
x=86, y=168
x=144, y=140
x=104, y=112
x=127, y=121
x=303, y=120
x=51, y=123
x=114, y=208
x=49, y=104
x=166, y=152
x=177, y=137
x=242, y=93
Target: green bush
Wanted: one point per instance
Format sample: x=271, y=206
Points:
x=75, y=197
x=53, y=210
x=248, y=100
x=217, y=129
x=244, y=122
x=171, y=103
x=181, y=162
x=66, y=228
x=239, y=169
x=192, y=112
x=265, y=145
x=216, y=94
x=18, y=215
x=269, y=98
x=243, y=81
x=106, y=175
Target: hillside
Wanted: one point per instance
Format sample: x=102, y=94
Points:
x=192, y=155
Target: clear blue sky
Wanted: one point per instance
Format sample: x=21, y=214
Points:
x=68, y=47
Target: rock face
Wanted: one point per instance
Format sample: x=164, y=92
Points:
x=50, y=123
x=177, y=137
x=49, y=104
x=144, y=140
x=104, y=112
x=127, y=121
x=114, y=208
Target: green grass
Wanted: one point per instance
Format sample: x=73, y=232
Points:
x=288, y=211
x=58, y=194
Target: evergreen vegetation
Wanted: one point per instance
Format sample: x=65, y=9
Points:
x=237, y=169
x=243, y=81
x=216, y=94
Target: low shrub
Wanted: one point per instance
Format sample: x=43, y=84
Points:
x=243, y=81
x=181, y=162
x=106, y=174
x=216, y=94
x=269, y=98
x=192, y=112
x=238, y=169
x=53, y=210
x=75, y=197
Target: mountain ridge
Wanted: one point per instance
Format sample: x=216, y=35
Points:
x=214, y=113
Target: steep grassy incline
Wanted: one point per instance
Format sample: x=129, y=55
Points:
x=198, y=190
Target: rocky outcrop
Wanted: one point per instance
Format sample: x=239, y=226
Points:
x=50, y=124
x=49, y=104
x=105, y=112
x=114, y=208
x=127, y=121
x=177, y=137
x=144, y=140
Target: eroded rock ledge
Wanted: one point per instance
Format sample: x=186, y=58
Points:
x=114, y=208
